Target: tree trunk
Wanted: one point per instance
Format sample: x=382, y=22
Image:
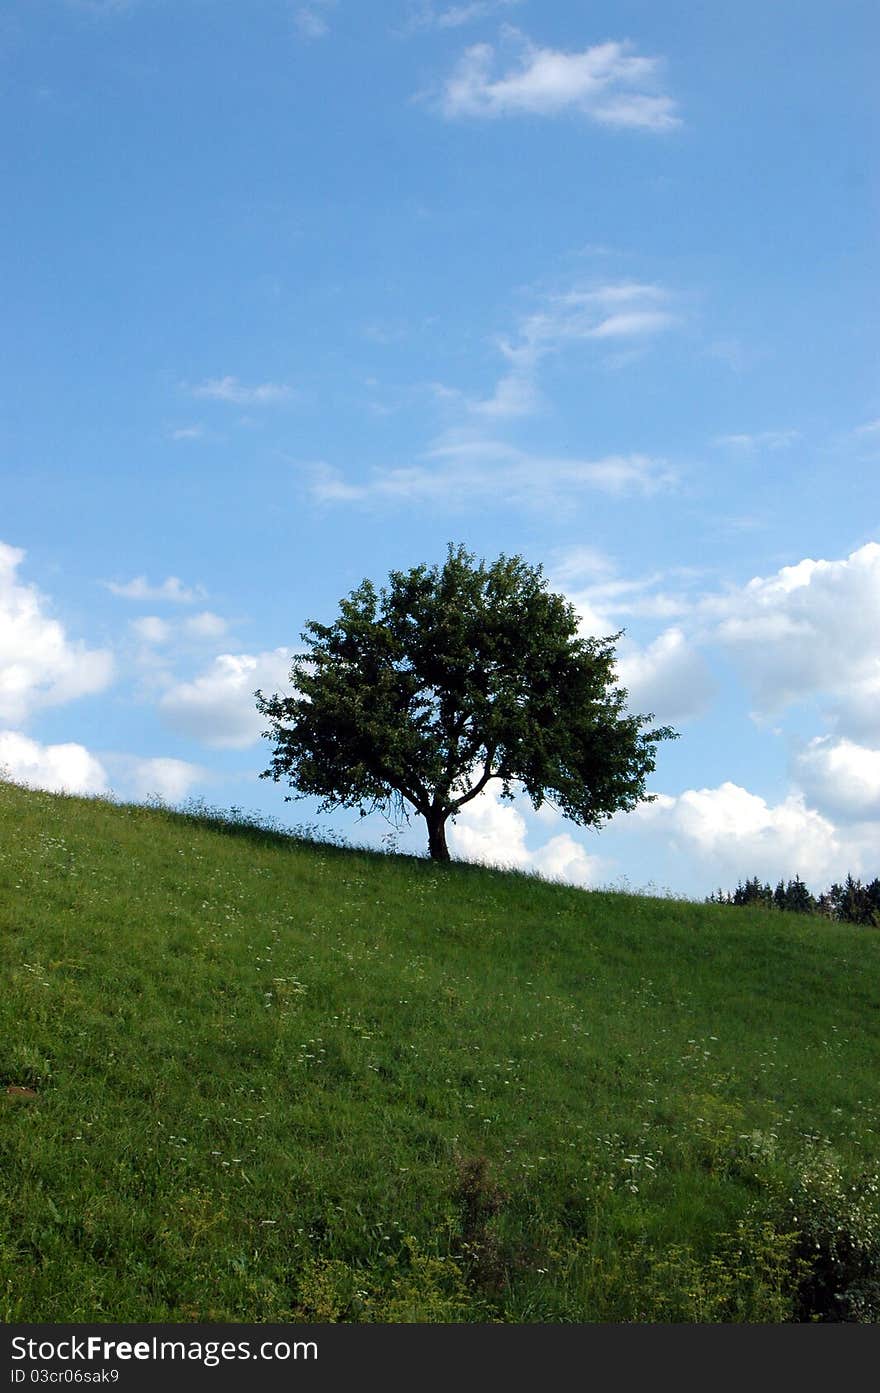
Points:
x=437, y=847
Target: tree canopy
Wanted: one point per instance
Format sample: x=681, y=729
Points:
x=420, y=694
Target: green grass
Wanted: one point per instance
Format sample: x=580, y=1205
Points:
x=278, y=1080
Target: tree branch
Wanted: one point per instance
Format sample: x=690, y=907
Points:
x=487, y=774
x=418, y=798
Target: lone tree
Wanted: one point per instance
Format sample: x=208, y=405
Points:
x=420, y=694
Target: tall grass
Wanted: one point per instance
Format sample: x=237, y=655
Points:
x=263, y=1078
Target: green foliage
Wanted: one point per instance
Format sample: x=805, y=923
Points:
x=750, y=1277
x=837, y=1218
x=412, y=1288
x=795, y=897
x=850, y=903
x=421, y=693
x=271, y=1079
x=855, y=903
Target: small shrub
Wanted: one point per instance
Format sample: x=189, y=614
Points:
x=413, y=1288
x=479, y=1199
x=838, y=1224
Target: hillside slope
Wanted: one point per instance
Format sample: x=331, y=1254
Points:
x=250, y=1078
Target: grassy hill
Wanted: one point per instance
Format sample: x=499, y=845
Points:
x=244, y=1077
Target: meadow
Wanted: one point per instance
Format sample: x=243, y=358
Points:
x=254, y=1077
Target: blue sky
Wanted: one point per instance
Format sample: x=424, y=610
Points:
x=297, y=293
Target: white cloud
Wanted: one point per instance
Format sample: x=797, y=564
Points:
x=515, y=394
x=608, y=83
x=458, y=472
x=71, y=768
x=493, y=832
x=327, y=485
x=168, y=779
x=59, y=768
x=312, y=20
x=811, y=628
x=152, y=629
x=635, y=324
x=218, y=707
x=669, y=677
x=188, y=433
x=840, y=777
x=229, y=389
x=562, y=858
x=490, y=831
x=578, y=562
x=592, y=623
x=39, y=665
x=630, y=312
x=430, y=16
x=466, y=464
x=763, y=440
x=856, y=708
x=639, y=596
x=205, y=625
x=172, y=590
x=614, y=309
x=734, y=834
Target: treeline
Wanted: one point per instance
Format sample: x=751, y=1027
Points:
x=851, y=903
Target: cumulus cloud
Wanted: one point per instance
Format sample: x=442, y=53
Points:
x=734, y=833
x=669, y=677
x=811, y=631
x=840, y=777
x=173, y=590
x=71, y=768
x=39, y=665
x=856, y=708
x=562, y=858
x=592, y=623
x=169, y=779
x=203, y=627
x=229, y=389
x=66, y=768
x=811, y=628
x=608, y=83
x=493, y=832
x=218, y=707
